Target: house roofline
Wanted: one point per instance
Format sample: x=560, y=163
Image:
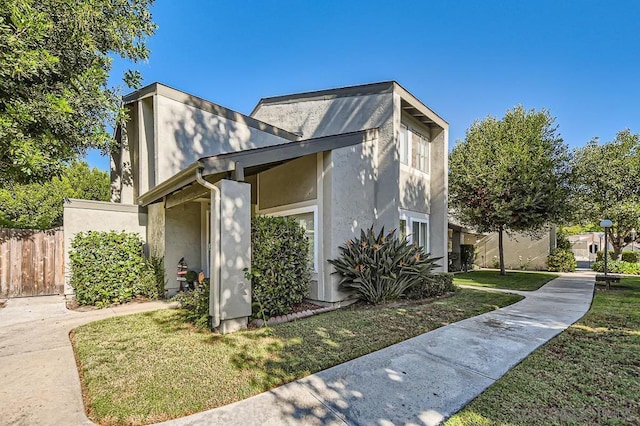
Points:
x=339, y=92
x=205, y=105
x=358, y=90
x=419, y=106
x=254, y=160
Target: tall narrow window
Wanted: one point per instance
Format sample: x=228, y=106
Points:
x=420, y=152
x=404, y=144
x=306, y=221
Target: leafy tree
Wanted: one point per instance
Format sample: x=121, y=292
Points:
x=510, y=174
x=608, y=185
x=54, y=64
x=40, y=206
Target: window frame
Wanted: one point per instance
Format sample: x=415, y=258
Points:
x=290, y=211
x=421, y=140
x=415, y=217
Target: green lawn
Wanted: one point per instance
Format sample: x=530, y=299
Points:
x=590, y=374
x=514, y=280
x=150, y=367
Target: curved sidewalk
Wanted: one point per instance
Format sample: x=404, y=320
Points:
x=419, y=381
x=39, y=382
x=423, y=380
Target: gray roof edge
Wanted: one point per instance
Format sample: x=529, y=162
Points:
x=323, y=143
x=339, y=92
x=206, y=105
x=412, y=99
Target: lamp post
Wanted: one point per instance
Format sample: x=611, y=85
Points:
x=606, y=224
x=633, y=238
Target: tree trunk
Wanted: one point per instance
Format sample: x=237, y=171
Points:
x=617, y=243
x=501, y=251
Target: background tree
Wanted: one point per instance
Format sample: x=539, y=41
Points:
x=40, y=206
x=55, y=102
x=511, y=174
x=607, y=179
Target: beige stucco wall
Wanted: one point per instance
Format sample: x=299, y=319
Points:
x=182, y=238
x=187, y=133
x=83, y=216
x=289, y=183
x=520, y=251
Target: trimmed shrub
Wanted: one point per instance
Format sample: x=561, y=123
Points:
x=109, y=268
x=379, y=268
x=433, y=285
x=561, y=260
x=617, y=267
x=280, y=265
x=630, y=256
x=196, y=305
x=600, y=256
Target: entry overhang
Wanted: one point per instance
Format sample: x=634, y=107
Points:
x=253, y=161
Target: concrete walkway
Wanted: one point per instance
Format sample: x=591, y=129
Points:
x=420, y=381
x=39, y=382
x=423, y=380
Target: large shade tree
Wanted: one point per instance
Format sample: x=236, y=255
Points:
x=607, y=178
x=40, y=205
x=55, y=59
x=510, y=174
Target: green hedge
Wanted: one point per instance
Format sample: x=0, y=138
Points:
x=630, y=256
x=617, y=267
x=561, y=260
x=379, y=268
x=600, y=255
x=109, y=268
x=280, y=265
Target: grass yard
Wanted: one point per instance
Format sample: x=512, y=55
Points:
x=514, y=280
x=150, y=367
x=590, y=374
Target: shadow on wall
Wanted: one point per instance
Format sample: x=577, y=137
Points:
x=415, y=195
x=349, y=115
x=198, y=133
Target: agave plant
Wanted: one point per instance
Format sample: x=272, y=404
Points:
x=381, y=267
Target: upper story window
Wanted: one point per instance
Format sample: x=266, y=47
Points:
x=420, y=146
x=414, y=148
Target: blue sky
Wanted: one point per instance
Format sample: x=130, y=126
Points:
x=465, y=59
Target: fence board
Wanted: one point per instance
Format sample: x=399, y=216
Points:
x=31, y=262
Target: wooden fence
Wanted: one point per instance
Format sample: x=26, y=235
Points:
x=31, y=262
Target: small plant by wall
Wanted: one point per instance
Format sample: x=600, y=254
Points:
x=280, y=265
x=196, y=304
x=561, y=260
x=379, y=268
x=110, y=268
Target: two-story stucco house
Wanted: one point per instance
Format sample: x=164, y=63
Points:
x=190, y=174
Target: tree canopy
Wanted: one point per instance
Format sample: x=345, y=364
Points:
x=55, y=59
x=510, y=174
x=40, y=206
x=607, y=179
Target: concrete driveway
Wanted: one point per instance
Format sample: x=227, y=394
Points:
x=422, y=380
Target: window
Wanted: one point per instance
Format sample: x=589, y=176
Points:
x=414, y=148
x=420, y=152
x=404, y=144
x=416, y=227
x=307, y=218
x=307, y=221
